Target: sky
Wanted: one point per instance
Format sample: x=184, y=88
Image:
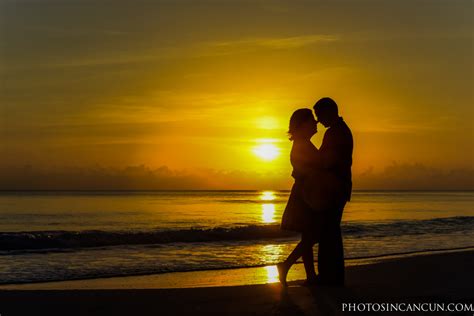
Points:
x=184, y=94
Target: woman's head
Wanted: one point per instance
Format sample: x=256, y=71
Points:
x=302, y=124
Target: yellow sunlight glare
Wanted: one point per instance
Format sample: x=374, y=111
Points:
x=266, y=151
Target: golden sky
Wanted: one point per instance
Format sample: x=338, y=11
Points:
x=194, y=87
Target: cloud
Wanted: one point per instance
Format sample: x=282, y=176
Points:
x=71, y=31
x=246, y=45
x=278, y=42
x=141, y=177
x=415, y=177
x=138, y=177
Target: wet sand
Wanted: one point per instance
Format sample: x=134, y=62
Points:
x=442, y=277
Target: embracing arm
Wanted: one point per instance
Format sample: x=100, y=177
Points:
x=303, y=159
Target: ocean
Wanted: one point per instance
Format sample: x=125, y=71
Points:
x=52, y=236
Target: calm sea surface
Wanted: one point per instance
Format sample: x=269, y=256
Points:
x=71, y=235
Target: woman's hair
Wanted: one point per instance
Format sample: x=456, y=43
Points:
x=297, y=118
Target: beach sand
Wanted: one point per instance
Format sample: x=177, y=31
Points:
x=441, y=277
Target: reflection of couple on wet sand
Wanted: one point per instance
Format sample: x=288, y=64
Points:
x=321, y=189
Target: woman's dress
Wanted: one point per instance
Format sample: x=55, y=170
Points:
x=299, y=215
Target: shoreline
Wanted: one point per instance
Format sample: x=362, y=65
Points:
x=442, y=277
x=253, y=275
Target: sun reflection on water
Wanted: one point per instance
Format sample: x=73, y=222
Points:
x=272, y=274
x=268, y=213
x=267, y=196
x=268, y=209
x=271, y=253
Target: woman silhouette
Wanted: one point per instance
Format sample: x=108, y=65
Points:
x=299, y=215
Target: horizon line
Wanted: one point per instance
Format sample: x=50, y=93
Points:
x=223, y=190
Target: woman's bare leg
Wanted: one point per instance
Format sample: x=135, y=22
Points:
x=303, y=249
x=284, y=267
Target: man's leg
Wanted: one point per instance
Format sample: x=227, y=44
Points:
x=324, y=266
x=331, y=250
x=337, y=255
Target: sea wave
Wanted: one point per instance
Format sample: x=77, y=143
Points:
x=38, y=240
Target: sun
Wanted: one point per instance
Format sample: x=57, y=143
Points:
x=266, y=151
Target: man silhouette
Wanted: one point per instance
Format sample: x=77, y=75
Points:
x=336, y=157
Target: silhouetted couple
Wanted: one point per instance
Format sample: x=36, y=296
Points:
x=321, y=189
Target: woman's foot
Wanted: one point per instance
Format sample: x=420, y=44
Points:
x=282, y=272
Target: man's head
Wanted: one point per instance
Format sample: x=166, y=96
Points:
x=326, y=111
